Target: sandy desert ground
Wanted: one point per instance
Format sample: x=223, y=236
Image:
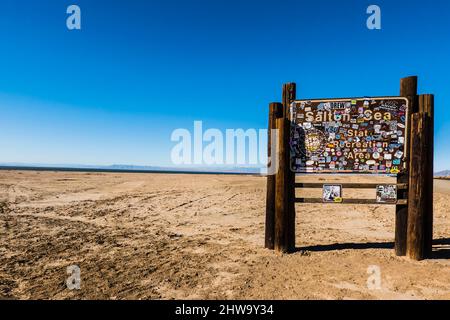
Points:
x=162, y=236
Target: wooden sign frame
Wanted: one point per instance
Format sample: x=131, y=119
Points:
x=414, y=206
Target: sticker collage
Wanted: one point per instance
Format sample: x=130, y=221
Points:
x=363, y=135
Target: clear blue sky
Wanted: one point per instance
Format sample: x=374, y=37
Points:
x=114, y=91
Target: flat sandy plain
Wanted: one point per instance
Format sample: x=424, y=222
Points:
x=163, y=236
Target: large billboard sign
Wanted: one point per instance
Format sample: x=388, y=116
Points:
x=357, y=135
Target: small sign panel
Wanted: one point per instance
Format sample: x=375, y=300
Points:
x=362, y=135
x=387, y=193
x=332, y=193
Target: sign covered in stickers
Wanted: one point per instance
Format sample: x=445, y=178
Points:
x=363, y=135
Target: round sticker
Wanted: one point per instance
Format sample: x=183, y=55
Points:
x=376, y=155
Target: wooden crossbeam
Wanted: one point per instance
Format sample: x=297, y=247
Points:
x=350, y=201
x=400, y=186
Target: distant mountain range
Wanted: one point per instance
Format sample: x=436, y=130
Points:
x=444, y=173
x=136, y=168
x=129, y=168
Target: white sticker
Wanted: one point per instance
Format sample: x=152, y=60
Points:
x=398, y=154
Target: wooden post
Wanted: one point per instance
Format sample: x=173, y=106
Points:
x=275, y=111
x=420, y=230
x=427, y=105
x=289, y=96
x=284, y=239
x=282, y=219
x=419, y=197
x=408, y=89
